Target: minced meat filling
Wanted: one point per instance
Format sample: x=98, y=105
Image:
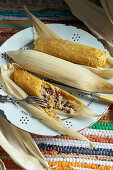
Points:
x=59, y=101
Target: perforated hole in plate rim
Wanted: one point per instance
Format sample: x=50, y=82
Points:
x=76, y=37
x=6, y=57
x=1, y=86
x=24, y=120
x=68, y=123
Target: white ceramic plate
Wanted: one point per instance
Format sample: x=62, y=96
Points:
x=18, y=115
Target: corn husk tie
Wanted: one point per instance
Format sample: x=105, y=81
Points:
x=40, y=29
x=36, y=111
x=60, y=70
x=21, y=147
x=98, y=23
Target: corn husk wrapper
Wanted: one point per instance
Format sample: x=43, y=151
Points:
x=40, y=29
x=106, y=72
x=108, y=8
x=21, y=147
x=60, y=70
x=98, y=23
x=2, y=166
x=34, y=83
x=36, y=111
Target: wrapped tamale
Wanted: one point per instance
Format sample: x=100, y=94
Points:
x=71, y=51
x=42, y=30
x=60, y=70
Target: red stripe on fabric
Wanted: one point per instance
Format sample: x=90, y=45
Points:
x=10, y=164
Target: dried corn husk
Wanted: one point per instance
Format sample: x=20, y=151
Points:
x=36, y=111
x=40, y=29
x=32, y=85
x=21, y=147
x=60, y=70
x=2, y=166
x=99, y=24
x=97, y=20
x=108, y=8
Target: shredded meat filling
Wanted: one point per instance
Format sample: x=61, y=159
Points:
x=59, y=101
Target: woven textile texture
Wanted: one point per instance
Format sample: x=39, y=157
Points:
x=63, y=151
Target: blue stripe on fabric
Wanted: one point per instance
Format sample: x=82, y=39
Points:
x=1, y=43
x=77, y=150
x=38, y=13
x=14, y=26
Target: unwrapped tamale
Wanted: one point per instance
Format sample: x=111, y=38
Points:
x=8, y=71
x=57, y=100
x=71, y=51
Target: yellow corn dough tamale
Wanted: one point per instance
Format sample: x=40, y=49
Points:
x=57, y=100
x=71, y=51
x=28, y=82
x=55, y=97
x=51, y=119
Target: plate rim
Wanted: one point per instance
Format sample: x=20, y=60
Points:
x=107, y=108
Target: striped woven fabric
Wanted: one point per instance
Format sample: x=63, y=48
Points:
x=65, y=152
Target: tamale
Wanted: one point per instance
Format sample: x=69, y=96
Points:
x=71, y=51
x=7, y=73
x=58, y=100
x=28, y=82
x=57, y=69
x=41, y=30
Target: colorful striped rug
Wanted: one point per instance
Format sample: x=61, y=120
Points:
x=64, y=151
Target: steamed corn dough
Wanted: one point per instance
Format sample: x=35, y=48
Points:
x=42, y=30
x=55, y=97
x=7, y=73
x=71, y=51
x=60, y=70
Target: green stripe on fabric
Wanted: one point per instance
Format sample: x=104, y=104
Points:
x=102, y=126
